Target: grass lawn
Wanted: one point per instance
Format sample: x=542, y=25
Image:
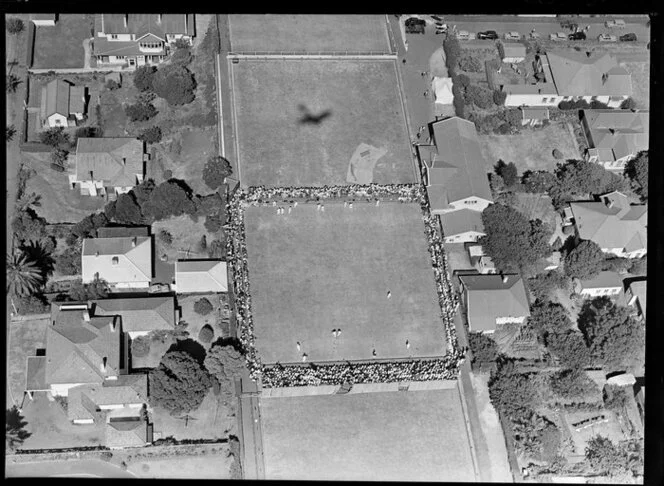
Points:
x=640, y=72
x=531, y=149
x=186, y=234
x=59, y=203
x=457, y=257
x=310, y=33
x=114, y=119
x=210, y=466
x=197, y=321
x=62, y=46
x=312, y=272
x=389, y=436
x=157, y=351
x=279, y=149
x=25, y=337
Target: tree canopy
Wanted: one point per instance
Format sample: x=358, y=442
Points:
x=215, y=171
x=126, y=210
x=637, y=171
x=572, y=384
x=143, y=77
x=484, y=348
x=168, y=199
x=175, y=84
x=224, y=362
x=605, y=457
x=508, y=172
x=55, y=137
x=511, y=391
x=538, y=181
x=15, y=429
x=584, y=261
x=14, y=25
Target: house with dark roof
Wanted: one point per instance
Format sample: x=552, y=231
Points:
x=455, y=176
x=196, y=276
x=62, y=104
x=124, y=262
x=108, y=167
x=636, y=295
x=616, y=225
x=615, y=136
x=140, y=315
x=494, y=300
x=608, y=284
x=573, y=76
x=135, y=40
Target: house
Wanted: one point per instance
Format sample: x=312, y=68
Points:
x=138, y=39
x=192, y=276
x=108, y=166
x=442, y=88
x=533, y=116
x=44, y=20
x=605, y=284
x=462, y=226
x=62, y=104
x=614, y=136
x=572, y=76
x=481, y=262
x=512, y=53
x=493, y=300
x=81, y=349
x=124, y=262
x=139, y=316
x=119, y=405
x=616, y=225
x=636, y=293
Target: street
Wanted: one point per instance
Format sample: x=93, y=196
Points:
x=253, y=461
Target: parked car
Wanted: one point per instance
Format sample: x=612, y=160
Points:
x=512, y=36
x=631, y=37
x=488, y=35
x=439, y=31
x=465, y=35
x=558, y=36
x=617, y=23
x=159, y=288
x=606, y=38
x=436, y=17
x=577, y=36
x=534, y=35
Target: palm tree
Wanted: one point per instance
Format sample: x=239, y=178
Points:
x=15, y=428
x=12, y=83
x=23, y=276
x=27, y=200
x=11, y=131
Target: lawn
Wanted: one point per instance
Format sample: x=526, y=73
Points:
x=114, y=120
x=531, y=149
x=312, y=272
x=640, y=72
x=62, y=46
x=25, y=338
x=310, y=33
x=389, y=436
x=210, y=466
x=187, y=236
x=610, y=429
x=59, y=203
x=197, y=321
x=280, y=147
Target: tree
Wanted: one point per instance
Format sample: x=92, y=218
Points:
x=463, y=80
x=12, y=82
x=499, y=97
x=628, y=104
x=151, y=135
x=32, y=304
x=97, y=289
x=512, y=392
x=175, y=84
x=15, y=25
x=27, y=200
x=613, y=335
x=452, y=50
x=182, y=57
x=55, y=137
x=214, y=222
x=112, y=85
x=23, y=275
x=572, y=384
x=141, y=111
x=484, y=348
x=637, y=171
x=508, y=172
x=143, y=191
x=584, y=261
x=180, y=384
x=15, y=432
x=69, y=261
x=203, y=306
x=225, y=362
x=165, y=237
x=126, y=210
x=619, y=265
x=539, y=181
x=28, y=226
x=140, y=346
x=606, y=458
x=582, y=177
x=206, y=334
x=11, y=132
x=549, y=317
x=143, y=77
x=542, y=286
x=639, y=266
x=59, y=156
x=202, y=245
x=479, y=96
x=168, y=199
x=470, y=64
x=615, y=398
x=216, y=170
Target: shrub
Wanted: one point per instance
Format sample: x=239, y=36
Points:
x=175, y=84
x=499, y=97
x=637, y=171
x=203, y=306
x=87, y=132
x=572, y=384
x=140, y=346
x=181, y=44
x=167, y=174
x=15, y=25
x=470, y=64
x=557, y=154
x=140, y=111
x=213, y=222
x=619, y=265
x=206, y=334
x=598, y=105
x=459, y=106
x=479, y=96
x=112, y=84
x=182, y=57
x=215, y=171
x=463, y=80
x=54, y=137
x=202, y=244
x=68, y=262
x=484, y=348
x=145, y=97
x=57, y=167
x=59, y=156
x=143, y=77
x=31, y=304
x=539, y=181
x=508, y=172
x=151, y=135
x=628, y=104
x=452, y=50
x=165, y=237
x=217, y=249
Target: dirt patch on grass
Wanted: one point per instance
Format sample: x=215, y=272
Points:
x=187, y=235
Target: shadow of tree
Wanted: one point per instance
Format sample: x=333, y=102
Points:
x=191, y=347
x=15, y=424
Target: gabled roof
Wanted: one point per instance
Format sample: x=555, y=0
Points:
x=201, y=276
x=36, y=374
x=458, y=165
x=489, y=298
x=603, y=280
x=116, y=161
x=577, y=74
x=461, y=221
x=84, y=400
x=122, y=231
x=638, y=289
x=77, y=99
x=76, y=348
x=618, y=133
x=134, y=263
x=139, y=314
x=104, y=47
x=142, y=24
x=57, y=98
x=126, y=433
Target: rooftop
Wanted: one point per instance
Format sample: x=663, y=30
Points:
x=580, y=74
x=201, y=276
x=461, y=221
x=143, y=24
x=603, y=280
x=123, y=259
x=116, y=161
x=618, y=133
x=139, y=314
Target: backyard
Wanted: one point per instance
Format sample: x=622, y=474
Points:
x=197, y=321
x=25, y=337
x=61, y=46
x=214, y=465
x=307, y=132
x=367, y=437
x=311, y=33
x=531, y=149
x=187, y=236
x=313, y=271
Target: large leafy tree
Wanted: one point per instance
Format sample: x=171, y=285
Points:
x=175, y=84
x=584, y=261
x=215, y=171
x=24, y=276
x=637, y=171
x=511, y=391
x=225, y=363
x=542, y=285
x=126, y=210
x=582, y=177
x=143, y=77
x=179, y=384
x=484, y=348
x=605, y=457
x=55, y=137
x=168, y=199
x=15, y=429
x=573, y=384
x=613, y=335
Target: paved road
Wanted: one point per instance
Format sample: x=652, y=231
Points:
x=253, y=460
x=224, y=107
x=83, y=468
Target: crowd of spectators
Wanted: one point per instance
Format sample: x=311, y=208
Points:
x=312, y=374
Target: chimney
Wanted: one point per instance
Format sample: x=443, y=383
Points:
x=588, y=53
x=103, y=364
x=505, y=279
x=86, y=315
x=133, y=242
x=113, y=324
x=608, y=202
x=97, y=253
x=124, y=160
x=125, y=18
x=115, y=260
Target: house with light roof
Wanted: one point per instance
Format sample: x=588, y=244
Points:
x=616, y=225
x=124, y=262
x=140, y=315
x=200, y=276
x=107, y=167
x=615, y=136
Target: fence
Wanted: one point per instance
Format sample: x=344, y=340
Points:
x=368, y=55
x=33, y=147
x=29, y=55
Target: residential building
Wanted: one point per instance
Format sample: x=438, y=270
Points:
x=533, y=116
x=479, y=260
x=195, y=276
x=512, y=53
x=616, y=225
x=124, y=262
x=494, y=300
x=140, y=315
x=44, y=20
x=605, y=284
x=462, y=226
x=573, y=76
x=615, y=136
x=62, y=104
x=442, y=88
x=108, y=167
x=135, y=40
x=636, y=295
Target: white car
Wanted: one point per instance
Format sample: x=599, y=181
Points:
x=534, y=35
x=617, y=23
x=465, y=35
x=606, y=38
x=512, y=36
x=558, y=36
